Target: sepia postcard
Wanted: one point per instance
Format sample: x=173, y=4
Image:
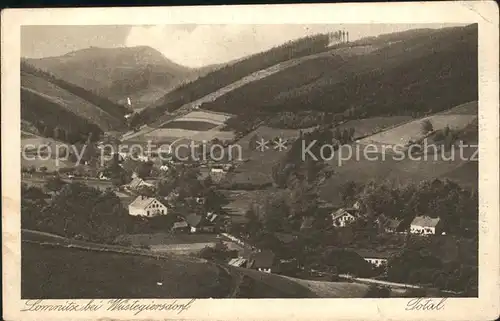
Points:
x=264, y=162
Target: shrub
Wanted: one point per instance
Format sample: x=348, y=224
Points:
x=427, y=126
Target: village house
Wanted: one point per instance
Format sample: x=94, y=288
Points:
x=237, y=262
x=390, y=225
x=147, y=206
x=180, y=227
x=376, y=258
x=198, y=223
x=425, y=225
x=138, y=182
x=343, y=217
x=264, y=261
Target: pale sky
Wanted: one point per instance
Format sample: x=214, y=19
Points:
x=189, y=45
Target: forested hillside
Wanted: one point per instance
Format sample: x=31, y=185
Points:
x=55, y=108
x=409, y=77
x=47, y=116
x=104, y=103
x=231, y=73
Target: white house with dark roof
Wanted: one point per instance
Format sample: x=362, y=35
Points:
x=343, y=217
x=138, y=183
x=425, y=225
x=376, y=258
x=199, y=223
x=390, y=225
x=147, y=206
x=264, y=261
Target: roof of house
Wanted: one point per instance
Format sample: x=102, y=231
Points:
x=181, y=224
x=393, y=223
x=239, y=261
x=386, y=222
x=425, y=221
x=196, y=220
x=142, y=202
x=341, y=212
x=137, y=181
x=212, y=216
x=264, y=259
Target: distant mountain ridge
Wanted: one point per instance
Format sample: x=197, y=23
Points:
x=141, y=73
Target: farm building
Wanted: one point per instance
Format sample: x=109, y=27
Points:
x=426, y=225
x=343, y=217
x=238, y=262
x=176, y=243
x=138, y=182
x=198, y=223
x=390, y=225
x=180, y=227
x=264, y=261
x=147, y=206
x=377, y=258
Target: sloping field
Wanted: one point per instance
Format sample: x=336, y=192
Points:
x=166, y=239
x=70, y=101
x=269, y=83
x=190, y=124
x=40, y=151
x=216, y=118
x=256, y=76
x=81, y=274
x=129, y=273
x=467, y=175
x=432, y=73
x=212, y=134
x=470, y=108
x=197, y=126
x=240, y=201
x=268, y=134
x=257, y=170
x=176, y=136
x=367, y=126
x=169, y=134
x=392, y=168
x=413, y=130
x=334, y=289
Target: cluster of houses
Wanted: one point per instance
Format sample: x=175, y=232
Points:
x=263, y=261
x=266, y=261
x=421, y=225
x=191, y=223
